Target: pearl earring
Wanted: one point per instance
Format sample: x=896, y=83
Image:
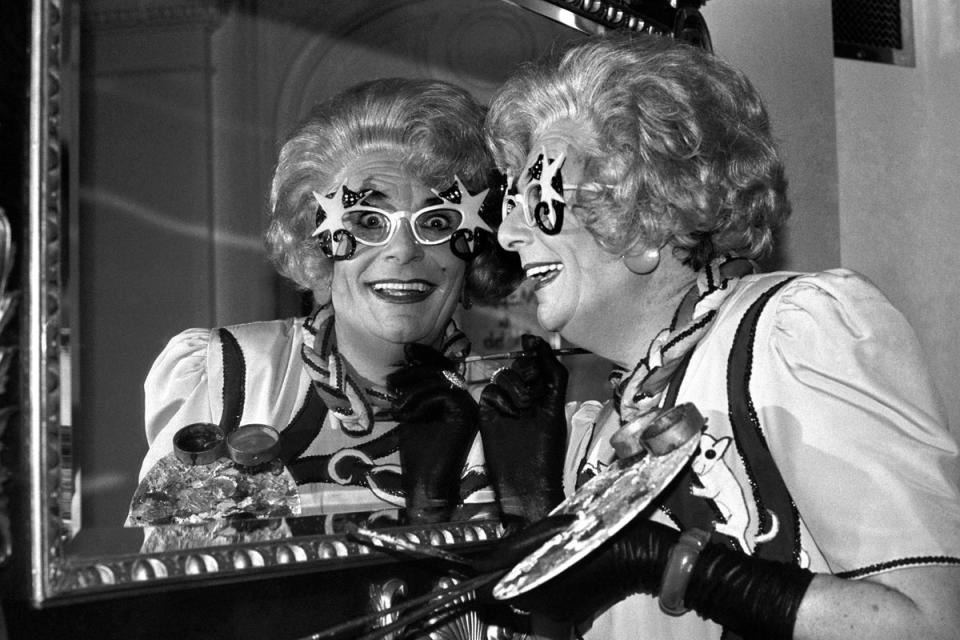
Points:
x=643, y=262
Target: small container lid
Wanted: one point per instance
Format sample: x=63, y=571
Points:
x=199, y=443
x=672, y=428
x=253, y=444
x=659, y=434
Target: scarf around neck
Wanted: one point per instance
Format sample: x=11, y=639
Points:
x=348, y=397
x=640, y=391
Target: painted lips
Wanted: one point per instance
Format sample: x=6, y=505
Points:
x=543, y=273
x=402, y=291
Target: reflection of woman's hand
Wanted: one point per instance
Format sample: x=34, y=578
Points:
x=438, y=423
x=524, y=433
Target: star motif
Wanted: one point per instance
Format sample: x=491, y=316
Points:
x=467, y=204
x=537, y=167
x=550, y=181
x=332, y=208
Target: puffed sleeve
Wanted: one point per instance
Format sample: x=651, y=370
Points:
x=176, y=391
x=854, y=423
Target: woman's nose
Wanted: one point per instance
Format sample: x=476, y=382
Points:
x=513, y=232
x=403, y=246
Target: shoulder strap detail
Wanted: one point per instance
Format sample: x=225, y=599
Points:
x=304, y=427
x=770, y=493
x=685, y=510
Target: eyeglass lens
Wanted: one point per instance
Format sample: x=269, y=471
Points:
x=375, y=227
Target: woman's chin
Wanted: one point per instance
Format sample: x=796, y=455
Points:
x=548, y=319
x=401, y=334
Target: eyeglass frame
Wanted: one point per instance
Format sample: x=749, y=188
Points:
x=510, y=200
x=396, y=216
x=468, y=206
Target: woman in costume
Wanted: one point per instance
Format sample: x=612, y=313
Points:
x=822, y=501
x=377, y=209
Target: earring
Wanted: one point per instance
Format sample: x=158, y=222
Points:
x=643, y=262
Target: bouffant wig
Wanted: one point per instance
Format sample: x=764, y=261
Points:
x=680, y=144
x=434, y=126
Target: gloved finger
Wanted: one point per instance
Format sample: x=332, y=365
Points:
x=538, y=348
x=550, y=369
x=414, y=381
x=530, y=371
x=496, y=398
x=535, y=344
x=516, y=547
x=516, y=389
x=432, y=400
x=411, y=376
x=423, y=355
x=425, y=368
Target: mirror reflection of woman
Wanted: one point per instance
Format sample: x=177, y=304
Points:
x=377, y=209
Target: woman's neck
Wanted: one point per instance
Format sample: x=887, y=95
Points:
x=372, y=358
x=652, y=306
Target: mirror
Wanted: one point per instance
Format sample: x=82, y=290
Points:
x=153, y=132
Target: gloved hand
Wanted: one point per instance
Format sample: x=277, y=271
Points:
x=507, y=552
x=750, y=596
x=524, y=433
x=438, y=424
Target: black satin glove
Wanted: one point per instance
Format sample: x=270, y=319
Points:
x=437, y=425
x=524, y=433
x=753, y=597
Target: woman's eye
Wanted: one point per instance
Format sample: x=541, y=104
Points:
x=371, y=221
x=437, y=222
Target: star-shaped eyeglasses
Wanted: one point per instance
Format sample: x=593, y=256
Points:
x=343, y=220
x=541, y=199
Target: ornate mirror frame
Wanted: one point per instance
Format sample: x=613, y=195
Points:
x=55, y=575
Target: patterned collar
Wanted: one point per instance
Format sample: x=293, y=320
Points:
x=640, y=391
x=349, y=397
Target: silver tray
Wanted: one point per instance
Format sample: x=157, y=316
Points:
x=603, y=506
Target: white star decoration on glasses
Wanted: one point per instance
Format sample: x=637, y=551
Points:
x=334, y=207
x=539, y=175
x=551, y=188
x=468, y=205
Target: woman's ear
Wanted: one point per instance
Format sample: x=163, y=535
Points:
x=641, y=259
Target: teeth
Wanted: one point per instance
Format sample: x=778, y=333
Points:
x=544, y=270
x=420, y=287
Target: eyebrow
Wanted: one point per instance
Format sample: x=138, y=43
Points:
x=374, y=196
x=379, y=199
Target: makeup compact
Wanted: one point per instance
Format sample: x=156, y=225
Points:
x=252, y=445
x=198, y=443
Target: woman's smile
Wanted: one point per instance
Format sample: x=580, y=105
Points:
x=402, y=291
x=543, y=273
x=397, y=291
